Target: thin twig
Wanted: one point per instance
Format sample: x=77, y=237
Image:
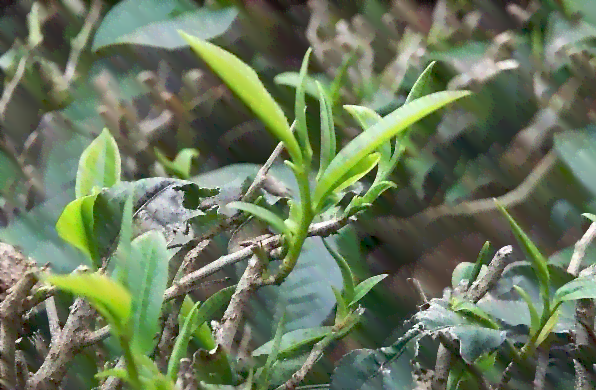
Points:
x=112, y=383
x=313, y=357
x=80, y=41
x=51, y=373
x=53, y=319
x=249, y=282
x=262, y=174
x=193, y=280
x=14, y=82
x=580, y=250
x=10, y=325
x=492, y=275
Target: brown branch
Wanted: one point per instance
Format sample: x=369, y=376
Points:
x=14, y=82
x=51, y=373
x=168, y=336
x=80, y=41
x=11, y=323
x=495, y=269
x=249, y=282
x=53, y=319
x=585, y=310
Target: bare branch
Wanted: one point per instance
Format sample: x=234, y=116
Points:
x=492, y=275
x=53, y=318
x=14, y=82
x=262, y=173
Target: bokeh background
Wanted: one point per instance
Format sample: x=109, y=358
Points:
x=526, y=137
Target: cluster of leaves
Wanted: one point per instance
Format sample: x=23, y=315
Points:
x=99, y=222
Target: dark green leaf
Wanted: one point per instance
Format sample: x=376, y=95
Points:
x=476, y=341
x=300, y=106
x=346, y=273
x=156, y=23
x=272, y=357
x=534, y=318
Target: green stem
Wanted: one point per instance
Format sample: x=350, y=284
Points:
x=306, y=218
x=131, y=366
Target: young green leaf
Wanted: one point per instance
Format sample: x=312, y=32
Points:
x=181, y=165
x=35, y=34
x=262, y=213
x=327, y=131
x=338, y=80
x=358, y=171
x=422, y=84
x=109, y=298
x=202, y=334
x=538, y=260
x=294, y=341
x=245, y=83
x=534, y=318
x=120, y=373
x=199, y=313
x=367, y=118
x=181, y=344
x=377, y=189
x=300, y=107
x=583, y=287
x=363, y=288
x=591, y=217
x=464, y=270
x=264, y=377
x=548, y=327
x=342, y=305
x=346, y=273
x=370, y=140
x=482, y=259
x=73, y=226
x=147, y=287
x=99, y=165
x=474, y=313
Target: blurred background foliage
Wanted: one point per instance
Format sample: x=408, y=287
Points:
x=69, y=68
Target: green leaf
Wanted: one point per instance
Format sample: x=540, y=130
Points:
x=149, y=251
x=181, y=165
x=99, y=165
x=534, y=318
x=156, y=23
x=243, y=80
x=346, y=272
x=272, y=358
x=482, y=260
x=538, y=260
x=115, y=372
x=338, y=80
x=73, y=226
x=465, y=270
x=202, y=334
x=474, y=341
x=35, y=35
x=358, y=171
x=111, y=299
x=300, y=107
x=328, y=147
x=294, y=341
x=583, y=287
x=181, y=344
x=591, y=217
x=292, y=79
x=342, y=305
x=370, y=140
x=548, y=327
x=474, y=313
x=363, y=288
x=262, y=213
x=422, y=85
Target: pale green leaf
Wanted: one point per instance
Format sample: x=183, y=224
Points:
x=363, y=288
x=534, y=318
x=300, y=106
x=370, y=140
x=295, y=341
x=109, y=298
x=262, y=213
x=358, y=171
x=548, y=327
x=346, y=272
x=421, y=86
x=72, y=228
x=272, y=358
x=579, y=288
x=99, y=165
x=181, y=165
x=342, y=305
x=243, y=80
x=147, y=288
x=35, y=35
